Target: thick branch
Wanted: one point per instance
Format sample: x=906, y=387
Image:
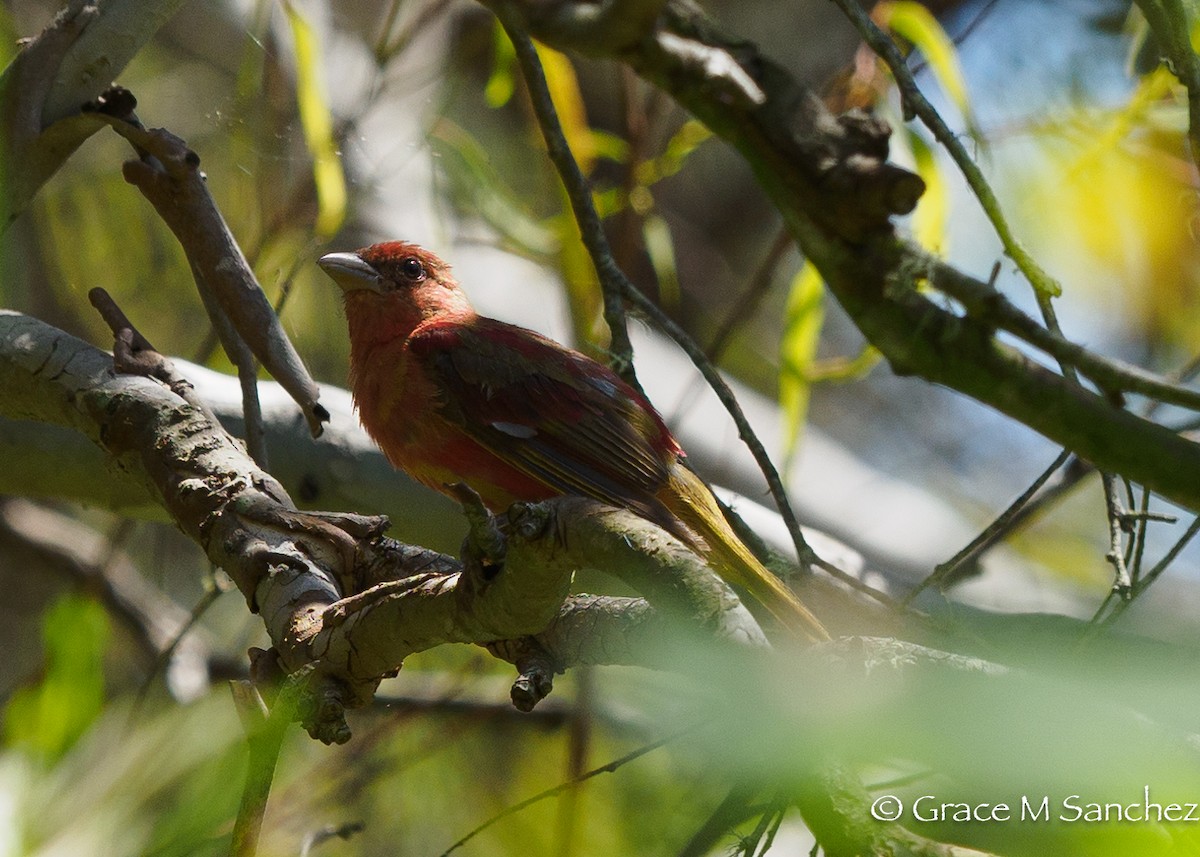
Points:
x=42, y=94
x=295, y=568
x=964, y=354
x=400, y=614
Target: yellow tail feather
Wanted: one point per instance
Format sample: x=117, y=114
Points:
x=690, y=501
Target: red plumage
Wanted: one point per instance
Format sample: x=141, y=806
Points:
x=450, y=396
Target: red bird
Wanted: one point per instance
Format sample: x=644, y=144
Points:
x=452, y=396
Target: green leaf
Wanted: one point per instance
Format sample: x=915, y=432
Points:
x=50, y=716
x=610, y=146
x=804, y=317
x=317, y=124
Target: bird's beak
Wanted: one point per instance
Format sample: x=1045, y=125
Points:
x=351, y=273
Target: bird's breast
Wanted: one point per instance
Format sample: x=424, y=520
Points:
x=402, y=410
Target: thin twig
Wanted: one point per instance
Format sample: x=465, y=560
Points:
x=549, y=714
x=264, y=738
x=733, y=810
x=1162, y=564
x=965, y=33
x=758, y=843
x=244, y=362
x=1071, y=471
x=570, y=784
x=1116, y=535
x=915, y=102
x=1114, y=511
x=167, y=173
x=1002, y=526
x=1076, y=469
x=1142, y=520
x=134, y=355
x=1152, y=575
x=164, y=655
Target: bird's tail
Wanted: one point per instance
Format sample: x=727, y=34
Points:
x=689, y=499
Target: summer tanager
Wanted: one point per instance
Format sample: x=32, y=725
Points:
x=452, y=396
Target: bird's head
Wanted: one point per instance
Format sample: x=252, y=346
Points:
x=393, y=286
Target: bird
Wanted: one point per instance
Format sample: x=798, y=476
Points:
x=452, y=396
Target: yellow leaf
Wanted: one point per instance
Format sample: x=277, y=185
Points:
x=804, y=317
x=839, y=369
x=568, y=101
x=1118, y=210
x=929, y=221
x=916, y=23
x=682, y=143
x=317, y=124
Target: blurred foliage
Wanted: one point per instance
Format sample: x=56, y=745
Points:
x=46, y=718
x=137, y=783
x=1100, y=188
x=804, y=315
x=1115, y=185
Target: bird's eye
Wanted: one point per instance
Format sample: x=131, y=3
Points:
x=412, y=268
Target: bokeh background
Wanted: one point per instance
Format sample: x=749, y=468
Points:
x=430, y=138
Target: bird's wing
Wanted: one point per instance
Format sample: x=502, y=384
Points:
x=550, y=412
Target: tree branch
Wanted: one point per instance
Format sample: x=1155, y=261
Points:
x=618, y=287
x=335, y=597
